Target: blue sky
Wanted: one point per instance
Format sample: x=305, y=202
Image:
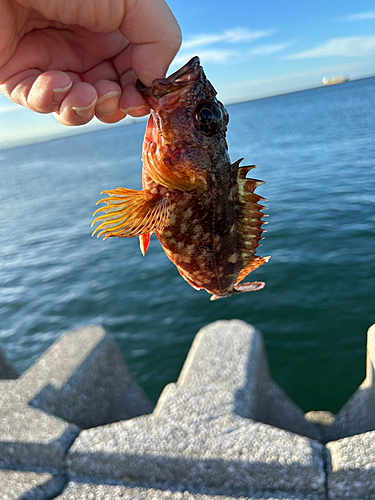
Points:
x=249, y=50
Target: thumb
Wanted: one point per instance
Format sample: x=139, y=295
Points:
x=155, y=36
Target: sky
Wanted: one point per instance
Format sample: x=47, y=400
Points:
x=249, y=50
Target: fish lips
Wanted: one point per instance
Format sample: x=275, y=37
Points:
x=174, y=84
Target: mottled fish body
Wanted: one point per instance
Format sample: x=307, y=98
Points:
x=201, y=207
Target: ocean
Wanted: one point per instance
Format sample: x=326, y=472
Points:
x=316, y=151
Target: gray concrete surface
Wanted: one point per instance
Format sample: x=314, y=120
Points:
x=28, y=436
x=27, y=485
x=223, y=431
x=160, y=491
x=83, y=379
x=229, y=357
x=225, y=452
x=351, y=467
x=203, y=430
x=358, y=414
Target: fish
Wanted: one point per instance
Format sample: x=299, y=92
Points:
x=201, y=207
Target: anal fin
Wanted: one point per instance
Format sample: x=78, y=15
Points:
x=132, y=213
x=188, y=278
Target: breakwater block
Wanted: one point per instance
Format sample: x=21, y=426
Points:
x=76, y=426
x=30, y=485
x=351, y=464
x=204, y=432
x=81, y=381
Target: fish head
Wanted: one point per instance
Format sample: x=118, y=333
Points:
x=187, y=125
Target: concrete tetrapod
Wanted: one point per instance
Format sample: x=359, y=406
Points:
x=351, y=466
x=203, y=432
x=81, y=381
x=224, y=431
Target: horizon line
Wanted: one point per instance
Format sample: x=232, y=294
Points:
x=56, y=136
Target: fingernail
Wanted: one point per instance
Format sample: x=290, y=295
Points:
x=60, y=94
x=136, y=110
x=84, y=112
x=107, y=104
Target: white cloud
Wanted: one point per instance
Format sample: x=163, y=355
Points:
x=354, y=46
x=224, y=56
x=359, y=17
x=266, y=50
x=234, y=35
x=206, y=56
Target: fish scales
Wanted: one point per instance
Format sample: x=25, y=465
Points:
x=202, y=208
x=198, y=240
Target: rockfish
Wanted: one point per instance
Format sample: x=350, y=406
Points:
x=201, y=207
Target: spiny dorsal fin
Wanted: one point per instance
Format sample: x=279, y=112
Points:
x=243, y=171
x=249, y=220
x=131, y=213
x=251, y=184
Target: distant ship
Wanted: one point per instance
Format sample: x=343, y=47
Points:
x=333, y=80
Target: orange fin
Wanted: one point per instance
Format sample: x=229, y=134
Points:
x=254, y=264
x=131, y=213
x=244, y=287
x=144, y=241
x=249, y=220
x=183, y=178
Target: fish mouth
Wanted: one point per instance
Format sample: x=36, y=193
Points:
x=180, y=79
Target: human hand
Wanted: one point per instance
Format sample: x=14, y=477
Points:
x=80, y=58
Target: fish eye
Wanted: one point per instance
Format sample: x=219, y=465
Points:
x=208, y=117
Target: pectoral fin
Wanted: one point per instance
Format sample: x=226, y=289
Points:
x=132, y=213
x=167, y=174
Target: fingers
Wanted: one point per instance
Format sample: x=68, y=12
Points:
x=145, y=44
x=72, y=101
x=132, y=103
x=105, y=99
x=48, y=91
x=78, y=107
x=107, y=107
x=40, y=92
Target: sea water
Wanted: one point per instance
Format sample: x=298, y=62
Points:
x=316, y=151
